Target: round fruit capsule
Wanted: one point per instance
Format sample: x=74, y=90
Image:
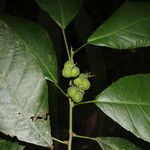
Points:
x=66, y=72
x=78, y=81
x=83, y=75
x=82, y=83
x=75, y=71
x=82, y=91
x=85, y=84
x=78, y=97
x=72, y=91
x=68, y=64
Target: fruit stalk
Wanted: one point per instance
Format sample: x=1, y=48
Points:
x=71, y=104
x=66, y=44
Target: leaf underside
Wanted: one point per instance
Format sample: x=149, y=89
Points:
x=127, y=28
x=38, y=44
x=23, y=91
x=127, y=102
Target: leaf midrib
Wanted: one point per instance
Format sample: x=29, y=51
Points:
x=61, y=14
x=112, y=33
x=54, y=80
x=24, y=114
x=122, y=103
x=28, y=47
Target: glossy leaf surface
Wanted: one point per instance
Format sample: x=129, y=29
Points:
x=7, y=145
x=23, y=91
x=127, y=102
x=38, y=43
x=126, y=28
x=61, y=11
x=113, y=143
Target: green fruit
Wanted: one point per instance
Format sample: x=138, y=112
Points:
x=72, y=91
x=83, y=75
x=66, y=72
x=78, y=81
x=78, y=97
x=85, y=84
x=68, y=64
x=70, y=70
x=82, y=82
x=75, y=94
x=75, y=71
x=82, y=91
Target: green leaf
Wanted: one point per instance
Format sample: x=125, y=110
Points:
x=7, y=145
x=127, y=102
x=126, y=28
x=61, y=11
x=113, y=143
x=37, y=42
x=23, y=91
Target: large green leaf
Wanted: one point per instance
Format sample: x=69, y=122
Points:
x=7, y=145
x=127, y=102
x=113, y=143
x=127, y=28
x=23, y=91
x=37, y=42
x=62, y=11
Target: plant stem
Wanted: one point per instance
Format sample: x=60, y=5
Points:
x=60, y=141
x=74, y=52
x=87, y=102
x=66, y=44
x=71, y=104
x=85, y=137
x=61, y=90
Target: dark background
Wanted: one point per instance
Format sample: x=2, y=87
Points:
x=107, y=64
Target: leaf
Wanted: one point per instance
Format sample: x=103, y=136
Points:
x=126, y=28
x=127, y=102
x=7, y=145
x=23, y=91
x=37, y=42
x=113, y=143
x=61, y=11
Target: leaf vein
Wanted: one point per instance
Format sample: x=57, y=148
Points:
x=115, y=32
x=13, y=95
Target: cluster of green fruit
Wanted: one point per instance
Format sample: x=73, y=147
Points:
x=79, y=85
x=70, y=69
